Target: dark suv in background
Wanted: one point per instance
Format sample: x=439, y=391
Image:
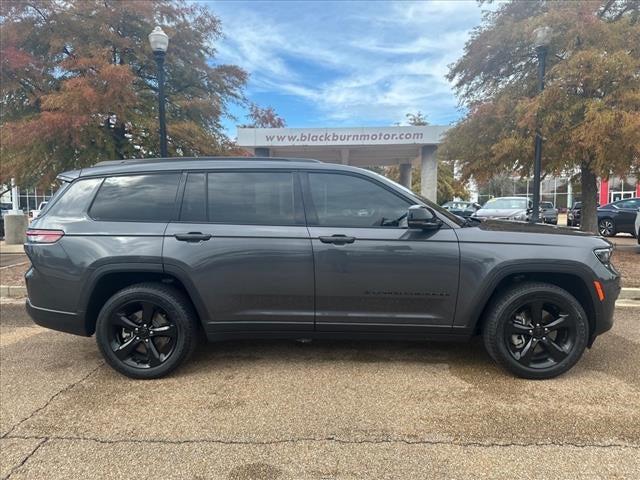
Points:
x=148, y=255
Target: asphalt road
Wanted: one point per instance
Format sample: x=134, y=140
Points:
x=326, y=410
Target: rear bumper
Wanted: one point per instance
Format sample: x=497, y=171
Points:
x=68, y=322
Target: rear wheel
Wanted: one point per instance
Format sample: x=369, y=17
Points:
x=536, y=330
x=606, y=227
x=146, y=330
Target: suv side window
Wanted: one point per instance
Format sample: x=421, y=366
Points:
x=140, y=198
x=628, y=204
x=349, y=201
x=73, y=202
x=251, y=198
x=194, y=201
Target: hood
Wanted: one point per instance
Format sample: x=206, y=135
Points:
x=525, y=227
x=500, y=212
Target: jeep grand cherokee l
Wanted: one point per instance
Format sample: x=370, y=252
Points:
x=148, y=255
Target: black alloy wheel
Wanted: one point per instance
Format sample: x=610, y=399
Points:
x=540, y=334
x=142, y=335
x=536, y=330
x=146, y=330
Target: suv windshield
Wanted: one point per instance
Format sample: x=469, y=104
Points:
x=507, y=204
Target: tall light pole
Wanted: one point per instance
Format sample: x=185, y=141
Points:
x=542, y=36
x=159, y=43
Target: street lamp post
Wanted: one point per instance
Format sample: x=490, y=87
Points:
x=159, y=42
x=542, y=35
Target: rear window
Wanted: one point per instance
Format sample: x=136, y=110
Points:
x=140, y=198
x=72, y=201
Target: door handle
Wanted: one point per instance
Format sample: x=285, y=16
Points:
x=192, y=237
x=337, y=239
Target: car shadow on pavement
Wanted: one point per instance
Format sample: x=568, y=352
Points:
x=457, y=356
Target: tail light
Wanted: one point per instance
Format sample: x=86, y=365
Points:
x=38, y=235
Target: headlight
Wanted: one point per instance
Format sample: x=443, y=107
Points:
x=519, y=216
x=604, y=255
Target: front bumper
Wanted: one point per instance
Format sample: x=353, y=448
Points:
x=606, y=308
x=68, y=322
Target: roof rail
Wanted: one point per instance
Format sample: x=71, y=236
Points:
x=202, y=159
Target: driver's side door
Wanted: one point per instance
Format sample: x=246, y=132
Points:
x=371, y=272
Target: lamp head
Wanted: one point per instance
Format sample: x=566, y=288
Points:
x=159, y=40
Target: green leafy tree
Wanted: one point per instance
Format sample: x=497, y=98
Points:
x=589, y=112
x=78, y=83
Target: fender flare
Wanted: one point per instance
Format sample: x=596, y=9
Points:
x=514, y=267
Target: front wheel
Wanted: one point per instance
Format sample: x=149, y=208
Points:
x=536, y=330
x=146, y=330
x=606, y=227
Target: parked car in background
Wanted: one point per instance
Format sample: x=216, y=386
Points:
x=638, y=226
x=573, y=215
x=462, y=209
x=35, y=213
x=506, y=208
x=618, y=217
x=549, y=213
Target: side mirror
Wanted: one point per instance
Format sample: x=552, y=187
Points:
x=421, y=218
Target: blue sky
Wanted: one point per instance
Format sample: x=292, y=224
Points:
x=346, y=63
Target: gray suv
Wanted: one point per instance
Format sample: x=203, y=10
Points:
x=148, y=255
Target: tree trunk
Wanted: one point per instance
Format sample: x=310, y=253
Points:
x=588, y=215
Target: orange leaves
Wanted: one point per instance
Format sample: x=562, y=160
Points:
x=590, y=108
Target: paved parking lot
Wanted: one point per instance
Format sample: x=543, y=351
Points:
x=343, y=410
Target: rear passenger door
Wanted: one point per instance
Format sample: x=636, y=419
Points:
x=240, y=243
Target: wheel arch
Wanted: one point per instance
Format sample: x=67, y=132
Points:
x=574, y=280
x=109, y=279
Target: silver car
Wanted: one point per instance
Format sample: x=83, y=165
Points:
x=506, y=208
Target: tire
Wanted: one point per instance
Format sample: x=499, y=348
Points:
x=527, y=350
x=147, y=330
x=606, y=227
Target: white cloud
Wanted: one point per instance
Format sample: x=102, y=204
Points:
x=353, y=62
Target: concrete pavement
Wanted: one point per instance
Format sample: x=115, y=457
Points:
x=277, y=410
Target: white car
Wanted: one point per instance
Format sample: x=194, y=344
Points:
x=638, y=226
x=35, y=213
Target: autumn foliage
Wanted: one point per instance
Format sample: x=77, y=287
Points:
x=78, y=84
x=589, y=112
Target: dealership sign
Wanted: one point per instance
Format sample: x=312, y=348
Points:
x=276, y=137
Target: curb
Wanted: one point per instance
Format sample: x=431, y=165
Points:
x=629, y=294
x=13, y=291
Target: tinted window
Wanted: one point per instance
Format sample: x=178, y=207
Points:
x=347, y=201
x=194, y=202
x=142, y=198
x=75, y=200
x=629, y=204
x=251, y=198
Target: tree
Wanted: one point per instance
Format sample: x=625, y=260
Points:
x=79, y=84
x=417, y=118
x=264, y=118
x=589, y=112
